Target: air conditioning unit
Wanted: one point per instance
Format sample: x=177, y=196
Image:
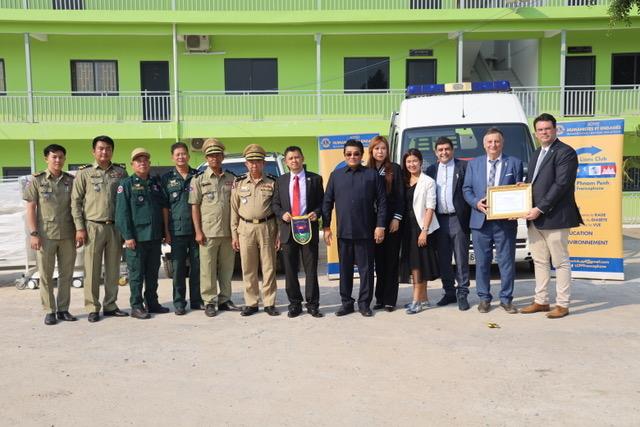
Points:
x=196, y=144
x=196, y=43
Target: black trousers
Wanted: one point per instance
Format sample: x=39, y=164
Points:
x=291, y=257
x=183, y=248
x=360, y=252
x=387, y=256
x=143, y=264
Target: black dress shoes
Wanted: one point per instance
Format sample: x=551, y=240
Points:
x=210, y=310
x=314, y=312
x=271, y=311
x=50, y=319
x=116, y=313
x=446, y=300
x=228, y=306
x=94, y=316
x=294, y=311
x=180, y=311
x=66, y=316
x=248, y=311
x=463, y=304
x=344, y=310
x=199, y=306
x=366, y=312
x=140, y=313
x=390, y=308
x=158, y=309
x=378, y=306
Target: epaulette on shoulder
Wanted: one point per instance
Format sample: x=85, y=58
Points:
x=37, y=174
x=88, y=165
x=230, y=172
x=240, y=177
x=198, y=173
x=65, y=173
x=122, y=165
x=273, y=177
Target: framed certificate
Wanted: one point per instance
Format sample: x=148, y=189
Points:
x=508, y=201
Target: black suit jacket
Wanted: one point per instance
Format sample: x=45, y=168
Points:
x=554, y=187
x=463, y=210
x=281, y=202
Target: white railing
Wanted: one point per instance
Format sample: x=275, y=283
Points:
x=630, y=207
x=600, y=101
x=287, y=5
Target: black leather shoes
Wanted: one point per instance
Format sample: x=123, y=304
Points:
x=390, y=308
x=158, y=309
x=378, y=306
x=180, y=311
x=484, y=306
x=294, y=311
x=210, y=310
x=509, y=308
x=248, y=311
x=344, y=310
x=228, y=306
x=94, y=316
x=271, y=311
x=366, y=312
x=200, y=306
x=314, y=312
x=463, y=304
x=446, y=300
x=116, y=313
x=50, y=319
x=66, y=316
x=140, y=313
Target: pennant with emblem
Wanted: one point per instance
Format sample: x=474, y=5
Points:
x=301, y=229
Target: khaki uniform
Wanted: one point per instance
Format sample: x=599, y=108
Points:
x=253, y=224
x=213, y=194
x=52, y=196
x=93, y=204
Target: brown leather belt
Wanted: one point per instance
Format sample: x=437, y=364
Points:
x=102, y=222
x=258, y=221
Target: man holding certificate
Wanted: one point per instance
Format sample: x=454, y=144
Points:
x=492, y=169
x=552, y=173
x=297, y=202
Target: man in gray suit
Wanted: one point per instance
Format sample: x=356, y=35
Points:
x=453, y=216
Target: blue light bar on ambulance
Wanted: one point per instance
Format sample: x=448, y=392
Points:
x=466, y=87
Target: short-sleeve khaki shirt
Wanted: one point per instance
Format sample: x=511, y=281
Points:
x=52, y=196
x=94, y=194
x=251, y=200
x=213, y=193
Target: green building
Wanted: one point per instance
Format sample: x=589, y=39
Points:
x=282, y=72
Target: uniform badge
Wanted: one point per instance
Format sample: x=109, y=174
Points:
x=120, y=188
x=210, y=196
x=243, y=199
x=174, y=194
x=141, y=198
x=97, y=188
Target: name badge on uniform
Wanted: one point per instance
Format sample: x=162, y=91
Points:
x=301, y=229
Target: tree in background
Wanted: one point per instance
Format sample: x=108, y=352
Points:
x=619, y=10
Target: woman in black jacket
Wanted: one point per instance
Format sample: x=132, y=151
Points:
x=387, y=253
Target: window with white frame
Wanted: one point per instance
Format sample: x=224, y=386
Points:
x=94, y=77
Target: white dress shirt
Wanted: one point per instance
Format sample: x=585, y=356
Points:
x=303, y=191
x=498, y=170
x=444, y=180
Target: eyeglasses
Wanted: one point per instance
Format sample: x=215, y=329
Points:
x=352, y=154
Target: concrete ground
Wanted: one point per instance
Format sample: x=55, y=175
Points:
x=440, y=367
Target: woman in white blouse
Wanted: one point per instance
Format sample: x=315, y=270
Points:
x=419, y=258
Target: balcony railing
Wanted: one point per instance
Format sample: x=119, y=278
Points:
x=286, y=5
x=283, y=106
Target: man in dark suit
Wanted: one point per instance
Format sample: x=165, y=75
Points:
x=552, y=173
x=453, y=214
x=356, y=191
x=492, y=169
x=298, y=193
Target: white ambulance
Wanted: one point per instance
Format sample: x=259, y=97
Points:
x=463, y=112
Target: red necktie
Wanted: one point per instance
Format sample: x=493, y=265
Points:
x=295, y=206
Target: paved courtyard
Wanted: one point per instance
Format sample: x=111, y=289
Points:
x=440, y=367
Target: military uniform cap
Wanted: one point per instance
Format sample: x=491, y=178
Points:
x=254, y=152
x=212, y=146
x=139, y=152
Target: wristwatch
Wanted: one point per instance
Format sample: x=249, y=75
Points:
x=424, y=228
x=34, y=233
